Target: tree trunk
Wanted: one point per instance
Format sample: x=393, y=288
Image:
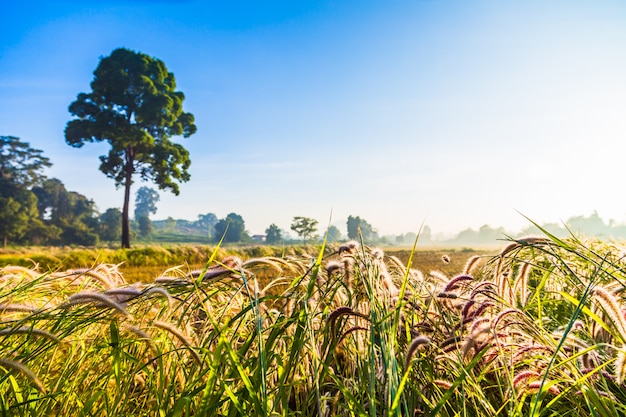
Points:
x=125, y=221
x=128, y=182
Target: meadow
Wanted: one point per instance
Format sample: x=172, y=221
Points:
x=537, y=329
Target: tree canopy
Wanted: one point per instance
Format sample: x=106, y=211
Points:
x=134, y=106
x=231, y=229
x=305, y=227
x=20, y=165
x=355, y=224
x=145, y=202
x=21, y=168
x=207, y=222
x=273, y=234
x=111, y=225
x=70, y=216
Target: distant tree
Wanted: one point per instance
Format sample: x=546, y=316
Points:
x=16, y=214
x=410, y=237
x=51, y=200
x=334, y=235
x=145, y=202
x=20, y=169
x=144, y=225
x=232, y=229
x=207, y=222
x=305, y=227
x=170, y=224
x=68, y=211
x=273, y=234
x=134, y=106
x=589, y=226
x=20, y=165
x=367, y=231
x=111, y=225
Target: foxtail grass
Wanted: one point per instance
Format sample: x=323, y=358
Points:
x=537, y=330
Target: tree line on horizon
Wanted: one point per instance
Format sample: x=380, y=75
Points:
x=37, y=210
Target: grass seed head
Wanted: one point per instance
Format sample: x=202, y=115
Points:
x=349, y=247
x=24, y=370
x=412, y=349
x=521, y=379
x=613, y=309
x=620, y=365
x=180, y=336
x=454, y=282
x=471, y=264
x=30, y=331
x=96, y=299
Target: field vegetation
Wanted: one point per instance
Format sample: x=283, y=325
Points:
x=538, y=329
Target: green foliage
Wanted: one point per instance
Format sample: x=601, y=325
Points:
x=231, y=229
x=145, y=225
x=70, y=217
x=134, y=106
x=206, y=223
x=16, y=215
x=145, y=202
x=305, y=227
x=20, y=165
x=111, y=225
x=359, y=229
x=334, y=235
x=273, y=234
x=20, y=169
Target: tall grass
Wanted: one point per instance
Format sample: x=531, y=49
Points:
x=538, y=330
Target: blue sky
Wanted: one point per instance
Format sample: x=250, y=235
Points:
x=452, y=113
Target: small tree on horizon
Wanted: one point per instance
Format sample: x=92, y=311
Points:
x=207, y=222
x=232, y=229
x=356, y=224
x=145, y=204
x=334, y=235
x=273, y=234
x=305, y=227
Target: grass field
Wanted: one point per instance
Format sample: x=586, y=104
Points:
x=537, y=329
x=144, y=263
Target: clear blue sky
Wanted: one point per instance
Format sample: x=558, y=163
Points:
x=453, y=113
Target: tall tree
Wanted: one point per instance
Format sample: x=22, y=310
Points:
x=305, y=227
x=20, y=169
x=134, y=106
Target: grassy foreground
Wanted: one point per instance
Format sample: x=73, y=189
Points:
x=537, y=330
